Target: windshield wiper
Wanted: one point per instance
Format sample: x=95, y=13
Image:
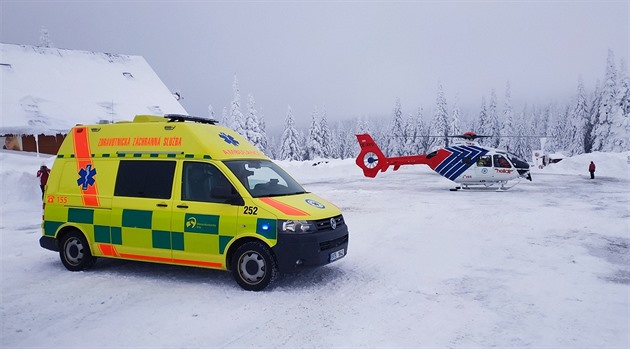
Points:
x=282, y=194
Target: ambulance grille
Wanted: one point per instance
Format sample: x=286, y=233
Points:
x=324, y=224
x=330, y=244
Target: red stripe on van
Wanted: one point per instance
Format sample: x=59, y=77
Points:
x=284, y=208
x=198, y=263
x=108, y=250
x=170, y=260
x=84, y=158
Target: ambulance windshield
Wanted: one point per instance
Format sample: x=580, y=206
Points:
x=263, y=178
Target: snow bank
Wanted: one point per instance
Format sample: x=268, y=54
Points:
x=18, y=178
x=608, y=165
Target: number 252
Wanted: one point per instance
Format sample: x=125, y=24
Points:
x=253, y=210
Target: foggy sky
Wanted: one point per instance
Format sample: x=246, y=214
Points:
x=352, y=57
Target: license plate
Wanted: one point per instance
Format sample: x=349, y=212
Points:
x=337, y=254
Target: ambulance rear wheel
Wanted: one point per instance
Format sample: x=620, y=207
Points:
x=254, y=266
x=75, y=252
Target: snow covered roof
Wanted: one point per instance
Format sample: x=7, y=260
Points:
x=49, y=90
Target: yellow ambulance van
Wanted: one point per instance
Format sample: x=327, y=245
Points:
x=183, y=190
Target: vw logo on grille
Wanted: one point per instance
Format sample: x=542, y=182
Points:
x=333, y=223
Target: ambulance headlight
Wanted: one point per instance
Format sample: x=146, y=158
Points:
x=297, y=227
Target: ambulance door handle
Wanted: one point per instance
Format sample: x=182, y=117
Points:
x=182, y=206
x=161, y=205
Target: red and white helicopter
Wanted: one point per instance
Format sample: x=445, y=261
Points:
x=468, y=164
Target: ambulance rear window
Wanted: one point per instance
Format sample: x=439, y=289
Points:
x=145, y=179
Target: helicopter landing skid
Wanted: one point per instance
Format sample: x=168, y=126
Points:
x=485, y=187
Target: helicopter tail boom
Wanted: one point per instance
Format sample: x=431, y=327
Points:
x=372, y=160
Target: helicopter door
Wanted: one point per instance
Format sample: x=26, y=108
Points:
x=503, y=169
x=484, y=168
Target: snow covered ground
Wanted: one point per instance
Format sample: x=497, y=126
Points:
x=545, y=264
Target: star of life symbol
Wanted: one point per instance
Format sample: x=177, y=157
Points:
x=86, y=177
x=228, y=139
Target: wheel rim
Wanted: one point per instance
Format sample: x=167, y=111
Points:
x=251, y=267
x=73, y=251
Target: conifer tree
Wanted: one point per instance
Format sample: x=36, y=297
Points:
x=236, y=116
x=313, y=142
x=411, y=135
x=363, y=126
x=266, y=148
x=507, y=128
x=483, y=123
x=423, y=130
x=493, y=120
x=394, y=146
x=211, y=112
x=290, y=141
x=619, y=129
x=553, y=129
x=593, y=116
x=272, y=148
x=325, y=135
x=349, y=147
x=606, y=113
x=226, y=119
x=44, y=38
x=624, y=88
x=522, y=148
x=440, y=119
x=455, y=126
x=253, y=132
x=561, y=128
x=579, y=120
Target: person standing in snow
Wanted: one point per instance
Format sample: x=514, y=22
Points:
x=591, y=169
x=42, y=174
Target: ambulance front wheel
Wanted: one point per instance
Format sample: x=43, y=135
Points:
x=75, y=252
x=254, y=266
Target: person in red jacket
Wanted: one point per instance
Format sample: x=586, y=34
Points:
x=591, y=169
x=42, y=174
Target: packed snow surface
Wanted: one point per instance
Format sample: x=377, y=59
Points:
x=545, y=264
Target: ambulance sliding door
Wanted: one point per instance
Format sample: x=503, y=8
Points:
x=142, y=210
x=204, y=214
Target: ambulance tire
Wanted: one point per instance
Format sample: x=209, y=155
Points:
x=254, y=267
x=74, y=251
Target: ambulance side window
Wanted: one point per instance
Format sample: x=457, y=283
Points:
x=204, y=182
x=145, y=179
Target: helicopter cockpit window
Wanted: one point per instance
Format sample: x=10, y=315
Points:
x=263, y=178
x=518, y=163
x=484, y=161
x=501, y=161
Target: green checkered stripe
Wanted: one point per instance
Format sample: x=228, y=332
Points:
x=144, y=156
x=141, y=228
x=88, y=219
